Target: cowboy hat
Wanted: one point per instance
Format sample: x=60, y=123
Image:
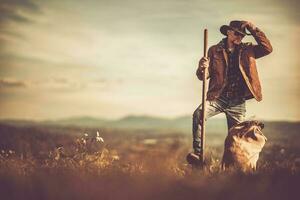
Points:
x=235, y=26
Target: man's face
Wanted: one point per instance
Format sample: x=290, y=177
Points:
x=235, y=37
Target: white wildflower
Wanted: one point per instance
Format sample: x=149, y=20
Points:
x=60, y=148
x=83, y=141
x=98, y=138
x=150, y=141
x=115, y=157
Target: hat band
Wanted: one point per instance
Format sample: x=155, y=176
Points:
x=237, y=30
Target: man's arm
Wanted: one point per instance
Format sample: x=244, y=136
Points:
x=263, y=46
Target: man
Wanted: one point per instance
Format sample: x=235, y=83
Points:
x=233, y=77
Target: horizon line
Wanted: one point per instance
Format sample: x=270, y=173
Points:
x=137, y=115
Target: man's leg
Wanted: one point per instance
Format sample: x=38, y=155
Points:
x=235, y=114
x=212, y=108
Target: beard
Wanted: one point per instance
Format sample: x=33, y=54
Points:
x=237, y=42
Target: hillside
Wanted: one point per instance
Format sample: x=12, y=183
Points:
x=180, y=124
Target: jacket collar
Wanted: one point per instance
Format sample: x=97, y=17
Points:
x=222, y=45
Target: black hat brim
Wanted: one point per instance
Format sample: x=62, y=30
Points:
x=225, y=28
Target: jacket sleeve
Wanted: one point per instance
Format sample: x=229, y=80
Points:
x=199, y=72
x=263, y=46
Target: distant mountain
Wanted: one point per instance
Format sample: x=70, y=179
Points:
x=179, y=124
x=128, y=122
x=139, y=122
x=78, y=121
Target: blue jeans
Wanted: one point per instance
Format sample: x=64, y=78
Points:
x=234, y=109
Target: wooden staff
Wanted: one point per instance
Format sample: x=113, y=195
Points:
x=204, y=99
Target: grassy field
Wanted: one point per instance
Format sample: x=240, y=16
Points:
x=48, y=162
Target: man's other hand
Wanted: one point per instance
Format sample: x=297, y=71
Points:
x=203, y=63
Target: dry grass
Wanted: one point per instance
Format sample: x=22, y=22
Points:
x=47, y=163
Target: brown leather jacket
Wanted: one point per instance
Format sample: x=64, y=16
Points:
x=248, y=52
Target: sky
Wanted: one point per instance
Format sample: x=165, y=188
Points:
x=113, y=58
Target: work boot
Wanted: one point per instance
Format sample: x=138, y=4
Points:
x=194, y=159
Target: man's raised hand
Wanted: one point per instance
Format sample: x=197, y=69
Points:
x=248, y=25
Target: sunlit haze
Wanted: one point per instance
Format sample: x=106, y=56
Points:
x=134, y=57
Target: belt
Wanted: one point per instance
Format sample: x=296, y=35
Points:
x=228, y=94
x=232, y=97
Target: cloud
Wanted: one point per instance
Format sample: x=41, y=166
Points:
x=12, y=83
x=62, y=84
x=53, y=83
x=12, y=10
x=68, y=84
